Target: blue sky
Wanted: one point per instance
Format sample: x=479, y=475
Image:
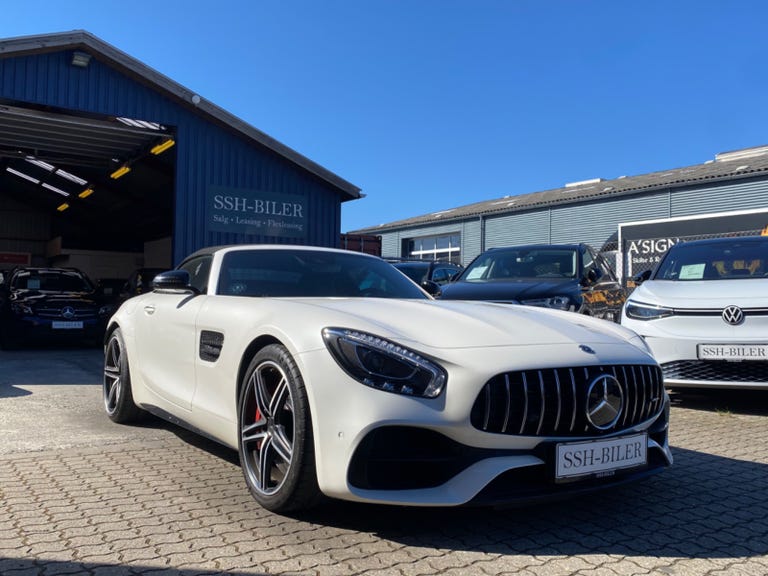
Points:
x=433, y=104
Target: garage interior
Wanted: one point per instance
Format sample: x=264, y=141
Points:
x=90, y=192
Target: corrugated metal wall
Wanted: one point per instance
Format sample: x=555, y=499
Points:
x=23, y=230
x=592, y=222
x=207, y=154
x=720, y=198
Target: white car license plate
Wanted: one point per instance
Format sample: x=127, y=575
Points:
x=66, y=325
x=601, y=456
x=732, y=351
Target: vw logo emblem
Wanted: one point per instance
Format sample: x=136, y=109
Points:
x=68, y=312
x=605, y=401
x=733, y=315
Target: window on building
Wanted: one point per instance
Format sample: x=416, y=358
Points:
x=444, y=247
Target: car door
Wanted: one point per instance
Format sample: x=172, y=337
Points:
x=166, y=339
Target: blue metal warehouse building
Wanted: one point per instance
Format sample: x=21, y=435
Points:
x=107, y=164
x=634, y=217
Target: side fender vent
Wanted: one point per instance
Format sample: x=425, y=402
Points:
x=210, y=345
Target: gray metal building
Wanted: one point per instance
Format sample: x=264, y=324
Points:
x=589, y=211
x=106, y=163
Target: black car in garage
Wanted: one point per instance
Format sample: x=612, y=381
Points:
x=50, y=304
x=560, y=276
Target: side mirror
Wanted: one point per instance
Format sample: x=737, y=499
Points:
x=431, y=288
x=641, y=277
x=177, y=280
x=591, y=277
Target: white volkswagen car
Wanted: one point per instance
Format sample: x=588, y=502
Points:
x=704, y=313
x=334, y=374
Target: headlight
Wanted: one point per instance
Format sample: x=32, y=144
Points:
x=557, y=302
x=384, y=365
x=22, y=309
x=639, y=311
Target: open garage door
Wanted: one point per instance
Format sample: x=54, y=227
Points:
x=96, y=183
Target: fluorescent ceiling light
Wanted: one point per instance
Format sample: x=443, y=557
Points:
x=62, y=207
x=54, y=189
x=22, y=175
x=85, y=193
x=71, y=177
x=140, y=123
x=122, y=171
x=163, y=146
x=40, y=163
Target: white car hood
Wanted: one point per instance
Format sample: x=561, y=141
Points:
x=747, y=293
x=459, y=324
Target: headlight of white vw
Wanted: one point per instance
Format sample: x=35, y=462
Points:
x=639, y=311
x=383, y=364
x=557, y=302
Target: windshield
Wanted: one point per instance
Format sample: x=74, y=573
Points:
x=51, y=281
x=523, y=263
x=734, y=260
x=312, y=273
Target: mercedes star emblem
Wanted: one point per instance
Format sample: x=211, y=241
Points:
x=68, y=312
x=605, y=400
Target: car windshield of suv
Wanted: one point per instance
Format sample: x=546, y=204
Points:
x=524, y=263
x=51, y=281
x=735, y=260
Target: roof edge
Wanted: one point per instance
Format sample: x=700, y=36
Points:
x=36, y=44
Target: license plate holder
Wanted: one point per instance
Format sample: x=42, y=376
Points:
x=601, y=457
x=733, y=352
x=67, y=325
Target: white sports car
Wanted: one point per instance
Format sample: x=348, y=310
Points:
x=704, y=313
x=334, y=374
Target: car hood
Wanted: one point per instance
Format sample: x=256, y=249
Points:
x=32, y=297
x=441, y=324
x=506, y=290
x=747, y=293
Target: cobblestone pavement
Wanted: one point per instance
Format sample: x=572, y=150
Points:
x=157, y=500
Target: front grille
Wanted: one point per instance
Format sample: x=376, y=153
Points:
x=553, y=402
x=80, y=312
x=710, y=371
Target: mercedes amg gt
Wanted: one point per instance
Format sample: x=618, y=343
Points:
x=334, y=375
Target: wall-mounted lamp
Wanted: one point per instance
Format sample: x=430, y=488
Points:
x=85, y=193
x=163, y=146
x=80, y=59
x=62, y=207
x=122, y=171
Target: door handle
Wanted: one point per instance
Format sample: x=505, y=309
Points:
x=149, y=309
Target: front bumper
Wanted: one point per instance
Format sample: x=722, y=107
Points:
x=374, y=446
x=678, y=358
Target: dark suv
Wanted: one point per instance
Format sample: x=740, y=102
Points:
x=38, y=304
x=560, y=276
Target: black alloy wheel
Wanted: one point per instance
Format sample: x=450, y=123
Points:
x=276, y=442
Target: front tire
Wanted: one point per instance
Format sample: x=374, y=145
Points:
x=276, y=443
x=118, y=398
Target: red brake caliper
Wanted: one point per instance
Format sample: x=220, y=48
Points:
x=258, y=418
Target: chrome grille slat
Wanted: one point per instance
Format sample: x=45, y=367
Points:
x=559, y=401
x=508, y=404
x=574, y=404
x=525, y=404
x=513, y=403
x=542, y=411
